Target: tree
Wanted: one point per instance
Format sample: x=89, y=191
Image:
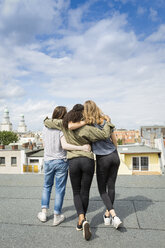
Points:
x=7, y=137
x=119, y=142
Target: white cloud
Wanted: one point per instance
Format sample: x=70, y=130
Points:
x=22, y=20
x=153, y=14
x=34, y=113
x=109, y=63
x=158, y=36
x=11, y=91
x=102, y=61
x=141, y=10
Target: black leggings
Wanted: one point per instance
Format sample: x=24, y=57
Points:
x=106, y=171
x=81, y=172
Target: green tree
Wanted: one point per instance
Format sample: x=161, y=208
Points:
x=119, y=142
x=7, y=137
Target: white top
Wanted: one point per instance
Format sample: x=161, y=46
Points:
x=52, y=144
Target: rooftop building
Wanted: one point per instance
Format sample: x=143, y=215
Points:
x=141, y=159
x=18, y=159
x=127, y=136
x=154, y=131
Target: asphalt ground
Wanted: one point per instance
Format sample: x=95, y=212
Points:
x=140, y=203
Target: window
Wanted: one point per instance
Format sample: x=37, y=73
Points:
x=135, y=163
x=140, y=163
x=144, y=163
x=34, y=161
x=2, y=161
x=13, y=161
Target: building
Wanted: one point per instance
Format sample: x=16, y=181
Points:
x=6, y=125
x=156, y=131
x=11, y=159
x=154, y=136
x=141, y=159
x=35, y=162
x=28, y=157
x=22, y=128
x=127, y=136
x=17, y=159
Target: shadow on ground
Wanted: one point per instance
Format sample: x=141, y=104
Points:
x=123, y=212
x=124, y=208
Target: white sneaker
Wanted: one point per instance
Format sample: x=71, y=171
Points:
x=86, y=230
x=116, y=222
x=107, y=220
x=42, y=216
x=58, y=218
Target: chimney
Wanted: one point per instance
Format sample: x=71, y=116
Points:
x=30, y=146
x=152, y=140
x=2, y=147
x=25, y=145
x=14, y=147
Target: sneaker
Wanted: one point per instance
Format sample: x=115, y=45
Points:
x=58, y=218
x=86, y=230
x=42, y=216
x=106, y=220
x=116, y=222
x=79, y=227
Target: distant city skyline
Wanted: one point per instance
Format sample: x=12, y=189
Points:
x=62, y=52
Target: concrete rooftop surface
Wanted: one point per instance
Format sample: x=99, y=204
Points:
x=140, y=203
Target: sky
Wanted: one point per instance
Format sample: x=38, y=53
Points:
x=63, y=52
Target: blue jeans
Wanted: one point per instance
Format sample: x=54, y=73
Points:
x=58, y=169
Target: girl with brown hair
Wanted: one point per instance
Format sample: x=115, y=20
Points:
x=56, y=167
x=107, y=160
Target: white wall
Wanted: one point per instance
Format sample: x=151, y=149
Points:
x=160, y=145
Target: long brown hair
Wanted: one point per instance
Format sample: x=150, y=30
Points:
x=59, y=112
x=74, y=115
x=92, y=113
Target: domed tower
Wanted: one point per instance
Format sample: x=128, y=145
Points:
x=6, y=125
x=22, y=128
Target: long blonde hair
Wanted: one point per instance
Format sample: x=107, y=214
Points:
x=92, y=113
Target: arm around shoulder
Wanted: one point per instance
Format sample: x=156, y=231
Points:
x=76, y=125
x=70, y=147
x=93, y=133
x=53, y=123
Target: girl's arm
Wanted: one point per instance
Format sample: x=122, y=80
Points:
x=113, y=138
x=66, y=146
x=53, y=123
x=76, y=125
x=93, y=133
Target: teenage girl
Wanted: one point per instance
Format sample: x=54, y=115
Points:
x=55, y=167
x=107, y=161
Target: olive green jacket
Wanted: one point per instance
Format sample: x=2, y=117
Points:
x=81, y=136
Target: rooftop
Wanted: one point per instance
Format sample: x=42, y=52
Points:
x=137, y=149
x=140, y=203
x=39, y=153
x=20, y=148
